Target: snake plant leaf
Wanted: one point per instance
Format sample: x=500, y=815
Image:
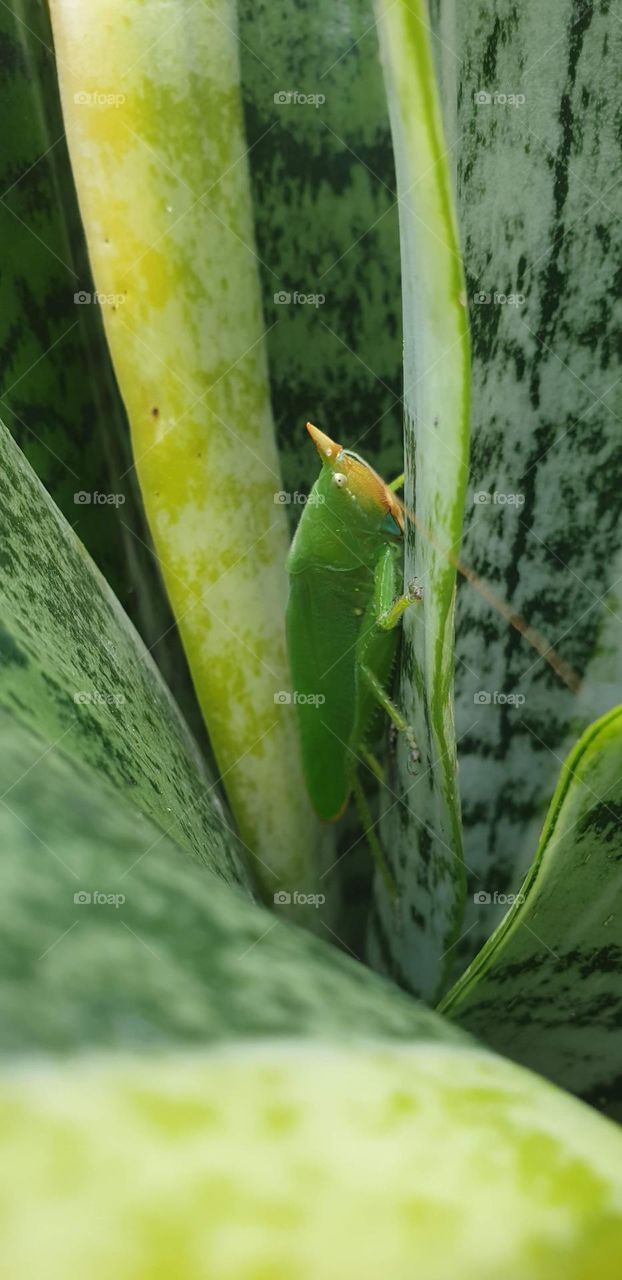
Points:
x=152, y=108
x=75, y=672
x=282, y=1159
x=546, y=987
x=325, y=208
x=422, y=828
x=59, y=396
x=326, y=225
x=533, y=93
x=114, y=938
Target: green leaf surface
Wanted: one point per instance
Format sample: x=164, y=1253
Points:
x=155, y=950
x=59, y=397
x=326, y=225
x=539, y=204
x=152, y=107
x=545, y=990
x=422, y=827
x=76, y=673
x=305, y=1162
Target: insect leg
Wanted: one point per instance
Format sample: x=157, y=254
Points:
x=372, y=839
x=393, y=712
x=383, y=699
x=388, y=609
x=372, y=763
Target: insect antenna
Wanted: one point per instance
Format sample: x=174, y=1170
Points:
x=562, y=669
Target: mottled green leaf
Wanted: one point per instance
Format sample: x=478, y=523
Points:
x=303, y=1162
x=326, y=226
x=547, y=988
x=422, y=828
x=325, y=210
x=154, y=950
x=539, y=204
x=75, y=672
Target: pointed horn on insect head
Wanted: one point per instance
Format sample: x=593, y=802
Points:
x=328, y=449
x=366, y=486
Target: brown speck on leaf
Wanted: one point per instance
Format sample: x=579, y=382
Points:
x=155, y=412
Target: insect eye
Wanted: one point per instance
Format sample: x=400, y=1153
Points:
x=339, y=479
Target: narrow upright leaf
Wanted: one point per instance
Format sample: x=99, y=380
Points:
x=58, y=394
x=422, y=829
x=152, y=107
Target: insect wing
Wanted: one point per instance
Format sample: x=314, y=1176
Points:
x=322, y=635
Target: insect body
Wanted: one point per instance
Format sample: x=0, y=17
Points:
x=345, y=603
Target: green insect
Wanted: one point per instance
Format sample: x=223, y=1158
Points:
x=345, y=603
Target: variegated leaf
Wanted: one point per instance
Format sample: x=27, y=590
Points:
x=412, y=937
x=547, y=988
